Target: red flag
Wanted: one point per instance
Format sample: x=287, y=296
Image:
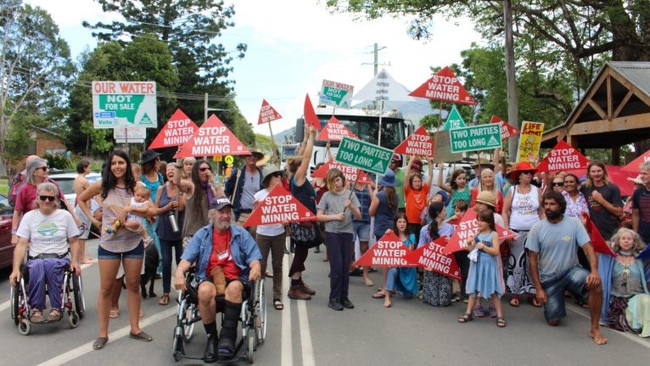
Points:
x=212, y=138
x=349, y=172
x=507, y=130
x=563, y=157
x=444, y=86
x=311, y=119
x=419, y=143
x=267, y=113
x=431, y=257
x=389, y=251
x=334, y=131
x=178, y=129
x=279, y=207
x=597, y=242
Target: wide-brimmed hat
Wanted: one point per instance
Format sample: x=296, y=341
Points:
x=256, y=152
x=482, y=162
x=416, y=164
x=148, y=156
x=261, y=162
x=220, y=202
x=388, y=179
x=268, y=171
x=522, y=166
x=486, y=197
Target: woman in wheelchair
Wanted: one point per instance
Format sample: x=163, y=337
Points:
x=226, y=257
x=49, y=230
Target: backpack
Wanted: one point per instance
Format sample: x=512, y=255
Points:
x=14, y=187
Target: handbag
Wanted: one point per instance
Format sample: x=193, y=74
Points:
x=306, y=234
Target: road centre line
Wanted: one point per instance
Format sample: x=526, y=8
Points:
x=286, y=355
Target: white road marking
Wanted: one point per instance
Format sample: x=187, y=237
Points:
x=286, y=355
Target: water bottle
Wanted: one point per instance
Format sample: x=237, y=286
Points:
x=172, y=220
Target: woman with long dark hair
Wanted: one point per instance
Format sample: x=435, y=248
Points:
x=436, y=288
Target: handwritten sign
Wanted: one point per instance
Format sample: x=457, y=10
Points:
x=530, y=140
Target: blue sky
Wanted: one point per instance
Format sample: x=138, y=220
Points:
x=294, y=44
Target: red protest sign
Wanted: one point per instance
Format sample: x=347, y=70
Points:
x=334, y=131
x=507, y=130
x=311, y=119
x=633, y=166
x=279, y=207
x=178, y=129
x=431, y=257
x=563, y=157
x=597, y=241
x=467, y=227
x=212, y=138
x=349, y=172
x=419, y=143
x=444, y=86
x=267, y=113
x=389, y=251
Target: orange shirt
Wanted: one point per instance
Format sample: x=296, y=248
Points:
x=221, y=256
x=416, y=201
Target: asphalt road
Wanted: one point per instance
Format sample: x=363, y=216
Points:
x=309, y=333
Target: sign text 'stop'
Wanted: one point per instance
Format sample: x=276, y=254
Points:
x=444, y=86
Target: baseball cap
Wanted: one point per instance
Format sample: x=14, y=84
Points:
x=220, y=202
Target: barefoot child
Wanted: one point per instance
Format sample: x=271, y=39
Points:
x=484, y=278
x=140, y=203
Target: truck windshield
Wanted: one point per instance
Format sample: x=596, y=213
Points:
x=367, y=129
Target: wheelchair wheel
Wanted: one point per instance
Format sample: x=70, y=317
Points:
x=260, y=313
x=73, y=319
x=250, y=347
x=25, y=327
x=188, y=324
x=79, y=305
x=15, y=303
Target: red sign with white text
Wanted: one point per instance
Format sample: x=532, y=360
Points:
x=431, y=257
x=311, y=119
x=444, y=86
x=419, y=143
x=279, y=207
x=633, y=166
x=467, y=227
x=507, y=130
x=563, y=157
x=176, y=131
x=267, y=113
x=349, y=172
x=389, y=251
x=212, y=138
x=334, y=131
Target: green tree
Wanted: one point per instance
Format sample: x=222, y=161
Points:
x=145, y=58
x=35, y=70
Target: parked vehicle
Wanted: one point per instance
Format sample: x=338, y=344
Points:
x=6, y=248
x=66, y=183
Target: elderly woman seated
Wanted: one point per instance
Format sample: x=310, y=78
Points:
x=626, y=304
x=50, y=234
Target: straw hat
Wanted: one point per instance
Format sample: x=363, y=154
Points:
x=486, y=197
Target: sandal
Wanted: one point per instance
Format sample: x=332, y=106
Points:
x=114, y=313
x=277, y=304
x=164, y=299
x=379, y=295
x=514, y=301
x=142, y=336
x=501, y=322
x=55, y=315
x=100, y=343
x=533, y=301
x=37, y=316
x=465, y=318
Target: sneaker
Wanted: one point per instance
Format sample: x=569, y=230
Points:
x=304, y=288
x=335, y=304
x=455, y=297
x=347, y=303
x=296, y=293
x=357, y=272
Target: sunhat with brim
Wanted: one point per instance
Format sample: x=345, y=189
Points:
x=268, y=171
x=256, y=152
x=388, y=179
x=522, y=166
x=483, y=163
x=261, y=162
x=148, y=156
x=486, y=197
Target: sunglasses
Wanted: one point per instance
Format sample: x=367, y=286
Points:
x=46, y=198
x=43, y=168
x=205, y=168
x=558, y=184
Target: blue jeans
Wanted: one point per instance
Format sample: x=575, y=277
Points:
x=339, y=246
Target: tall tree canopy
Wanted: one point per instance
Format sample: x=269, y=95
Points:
x=35, y=72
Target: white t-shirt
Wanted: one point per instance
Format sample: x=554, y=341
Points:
x=267, y=230
x=48, y=233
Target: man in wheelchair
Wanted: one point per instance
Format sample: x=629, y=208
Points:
x=49, y=229
x=227, y=259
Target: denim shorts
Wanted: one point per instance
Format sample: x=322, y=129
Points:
x=136, y=253
x=361, y=230
x=573, y=280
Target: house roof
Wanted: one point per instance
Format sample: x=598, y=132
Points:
x=614, y=111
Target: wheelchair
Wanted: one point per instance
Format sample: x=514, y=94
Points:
x=252, y=321
x=73, y=302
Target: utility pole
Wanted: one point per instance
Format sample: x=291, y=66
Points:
x=375, y=63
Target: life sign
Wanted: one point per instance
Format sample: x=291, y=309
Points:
x=475, y=138
x=363, y=155
x=124, y=104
